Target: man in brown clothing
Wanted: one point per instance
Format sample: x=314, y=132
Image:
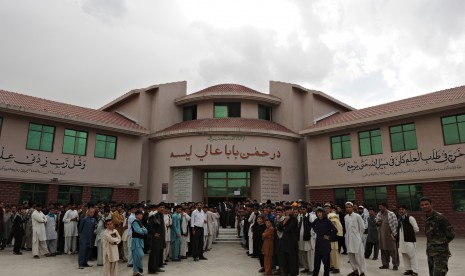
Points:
x=387, y=222
x=118, y=220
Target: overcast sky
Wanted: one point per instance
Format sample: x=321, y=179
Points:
x=361, y=52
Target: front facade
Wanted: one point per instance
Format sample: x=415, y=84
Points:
x=231, y=142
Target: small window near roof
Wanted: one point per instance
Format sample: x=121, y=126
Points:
x=227, y=110
x=189, y=113
x=264, y=112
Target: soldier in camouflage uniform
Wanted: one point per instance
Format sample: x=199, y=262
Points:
x=439, y=233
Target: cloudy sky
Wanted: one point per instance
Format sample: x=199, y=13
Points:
x=361, y=52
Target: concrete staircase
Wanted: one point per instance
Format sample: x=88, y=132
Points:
x=228, y=235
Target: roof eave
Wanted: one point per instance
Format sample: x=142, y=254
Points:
x=120, y=99
x=406, y=113
x=69, y=120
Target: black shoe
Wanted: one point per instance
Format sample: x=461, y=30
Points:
x=383, y=267
x=17, y=253
x=36, y=257
x=196, y=259
x=261, y=270
x=305, y=271
x=87, y=265
x=335, y=271
x=203, y=258
x=81, y=267
x=130, y=265
x=408, y=272
x=395, y=268
x=159, y=270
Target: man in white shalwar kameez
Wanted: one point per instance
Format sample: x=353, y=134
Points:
x=407, y=228
x=39, y=238
x=355, y=228
x=185, y=237
x=110, y=240
x=70, y=221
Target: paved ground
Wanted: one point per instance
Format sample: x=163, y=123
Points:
x=224, y=259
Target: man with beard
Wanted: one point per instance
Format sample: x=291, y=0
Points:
x=289, y=242
x=156, y=229
x=70, y=221
x=387, y=222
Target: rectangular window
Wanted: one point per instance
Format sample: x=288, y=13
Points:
x=69, y=195
x=403, y=137
x=227, y=110
x=373, y=196
x=189, y=113
x=340, y=147
x=37, y=193
x=370, y=142
x=105, y=146
x=103, y=195
x=75, y=142
x=264, y=112
x=453, y=129
x=341, y=196
x=458, y=195
x=40, y=137
x=409, y=195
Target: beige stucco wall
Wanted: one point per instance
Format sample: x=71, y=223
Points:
x=176, y=152
x=432, y=161
x=72, y=169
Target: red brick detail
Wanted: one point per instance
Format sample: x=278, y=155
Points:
x=359, y=195
x=85, y=194
x=125, y=195
x=9, y=192
x=52, y=196
x=321, y=195
x=391, y=197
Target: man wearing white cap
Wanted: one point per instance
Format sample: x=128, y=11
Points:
x=355, y=228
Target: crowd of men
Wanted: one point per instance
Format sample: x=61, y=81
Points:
x=283, y=236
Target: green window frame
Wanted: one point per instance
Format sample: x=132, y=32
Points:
x=189, y=113
x=264, y=112
x=409, y=195
x=105, y=146
x=373, y=196
x=69, y=195
x=75, y=142
x=340, y=147
x=31, y=192
x=224, y=184
x=458, y=195
x=453, y=129
x=370, y=142
x=103, y=195
x=227, y=110
x=342, y=195
x=403, y=137
x=40, y=137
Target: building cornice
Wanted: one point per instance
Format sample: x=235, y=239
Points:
x=221, y=95
x=223, y=131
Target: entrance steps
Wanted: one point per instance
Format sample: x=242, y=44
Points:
x=228, y=235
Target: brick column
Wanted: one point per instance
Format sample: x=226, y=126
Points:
x=85, y=194
x=9, y=192
x=52, y=193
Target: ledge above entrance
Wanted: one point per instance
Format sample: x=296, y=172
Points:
x=226, y=126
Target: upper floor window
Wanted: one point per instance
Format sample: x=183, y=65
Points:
x=403, y=137
x=189, y=113
x=370, y=142
x=40, y=137
x=75, y=142
x=453, y=129
x=264, y=112
x=227, y=110
x=340, y=147
x=105, y=146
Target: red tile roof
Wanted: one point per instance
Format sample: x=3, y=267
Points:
x=221, y=123
x=442, y=96
x=227, y=87
x=71, y=112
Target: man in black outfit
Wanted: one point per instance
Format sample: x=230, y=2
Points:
x=223, y=207
x=289, y=242
x=156, y=228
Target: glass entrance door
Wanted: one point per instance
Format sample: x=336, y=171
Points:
x=226, y=185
